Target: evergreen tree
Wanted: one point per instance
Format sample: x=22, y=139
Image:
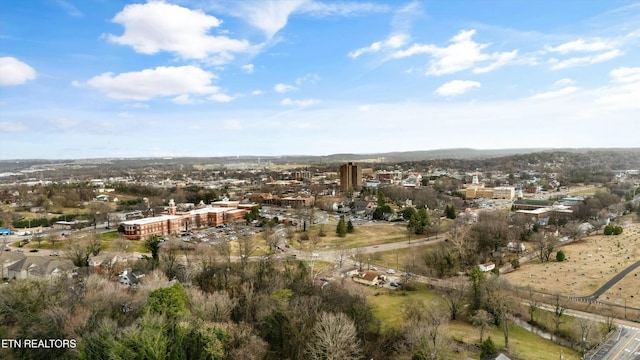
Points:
x=450, y=212
x=350, y=228
x=381, y=200
x=341, y=229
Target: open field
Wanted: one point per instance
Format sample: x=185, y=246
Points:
x=626, y=292
x=590, y=263
x=388, y=304
x=522, y=343
x=388, y=308
x=397, y=259
x=364, y=235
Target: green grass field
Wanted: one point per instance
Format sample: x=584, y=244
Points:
x=388, y=308
x=522, y=343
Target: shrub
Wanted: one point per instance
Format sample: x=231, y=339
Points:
x=608, y=230
x=488, y=348
x=560, y=256
x=515, y=263
x=617, y=230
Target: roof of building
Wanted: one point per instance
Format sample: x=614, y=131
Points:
x=533, y=202
x=151, y=220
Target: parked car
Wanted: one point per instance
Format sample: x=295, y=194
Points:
x=394, y=284
x=391, y=271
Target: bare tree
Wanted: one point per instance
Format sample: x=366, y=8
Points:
x=574, y=231
x=270, y=237
x=170, y=259
x=559, y=308
x=500, y=304
x=334, y=338
x=609, y=323
x=459, y=240
x=455, y=296
x=543, y=245
x=246, y=247
x=483, y=320
x=532, y=304
x=289, y=231
x=359, y=257
x=426, y=331
x=77, y=252
x=343, y=253
x=584, y=330
x=95, y=243
x=120, y=244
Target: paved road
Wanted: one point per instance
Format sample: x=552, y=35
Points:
x=623, y=345
x=609, y=283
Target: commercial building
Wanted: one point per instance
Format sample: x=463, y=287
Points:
x=173, y=222
x=350, y=177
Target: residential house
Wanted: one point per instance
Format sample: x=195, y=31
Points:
x=487, y=266
x=40, y=267
x=369, y=278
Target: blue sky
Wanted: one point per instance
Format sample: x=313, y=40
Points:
x=98, y=78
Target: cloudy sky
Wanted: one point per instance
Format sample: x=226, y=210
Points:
x=95, y=78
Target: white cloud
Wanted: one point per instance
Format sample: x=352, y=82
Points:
x=268, y=15
x=555, y=93
x=125, y=114
x=257, y=92
x=15, y=72
x=310, y=78
x=463, y=53
x=367, y=107
x=392, y=42
x=150, y=83
x=138, y=106
x=283, y=88
x=582, y=45
x=183, y=99
x=584, y=60
x=456, y=87
x=11, y=126
x=157, y=26
x=271, y=16
x=625, y=74
x=63, y=123
x=232, y=125
x=502, y=59
x=249, y=68
x=221, y=98
x=69, y=8
x=323, y=9
x=564, y=82
x=299, y=103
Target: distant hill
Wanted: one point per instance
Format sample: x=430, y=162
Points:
x=387, y=157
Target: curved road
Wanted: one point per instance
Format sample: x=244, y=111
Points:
x=608, y=284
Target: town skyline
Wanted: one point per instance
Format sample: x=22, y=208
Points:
x=274, y=78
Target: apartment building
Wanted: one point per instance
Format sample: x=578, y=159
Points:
x=350, y=177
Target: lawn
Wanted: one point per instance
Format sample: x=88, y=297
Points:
x=388, y=304
x=364, y=235
x=522, y=343
x=396, y=259
x=388, y=308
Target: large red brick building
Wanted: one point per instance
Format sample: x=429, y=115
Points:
x=173, y=222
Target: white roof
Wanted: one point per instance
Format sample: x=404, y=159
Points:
x=208, y=209
x=151, y=220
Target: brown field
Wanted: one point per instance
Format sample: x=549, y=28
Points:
x=590, y=263
x=364, y=235
x=626, y=292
